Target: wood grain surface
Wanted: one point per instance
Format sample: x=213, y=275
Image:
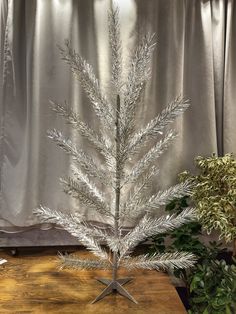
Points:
x=34, y=284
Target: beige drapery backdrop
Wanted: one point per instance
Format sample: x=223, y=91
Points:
x=196, y=57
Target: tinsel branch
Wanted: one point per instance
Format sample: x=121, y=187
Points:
x=163, y=198
x=72, y=221
x=68, y=261
x=86, y=162
x=140, y=69
x=149, y=226
x=113, y=243
x=161, y=261
x=84, y=182
x=115, y=45
x=74, y=225
x=85, y=194
x=137, y=196
x=57, y=217
x=156, y=126
x=100, y=143
x=143, y=164
x=84, y=73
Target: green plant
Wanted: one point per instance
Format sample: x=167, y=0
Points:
x=213, y=288
x=210, y=285
x=214, y=194
x=184, y=238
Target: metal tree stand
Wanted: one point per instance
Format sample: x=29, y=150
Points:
x=114, y=286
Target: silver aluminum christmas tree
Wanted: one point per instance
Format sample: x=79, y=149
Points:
x=117, y=141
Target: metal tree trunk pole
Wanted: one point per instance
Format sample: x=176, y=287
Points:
x=117, y=208
x=116, y=284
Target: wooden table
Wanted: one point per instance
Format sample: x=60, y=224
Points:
x=33, y=284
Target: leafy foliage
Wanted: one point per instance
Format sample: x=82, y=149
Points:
x=211, y=284
x=213, y=288
x=184, y=237
x=214, y=194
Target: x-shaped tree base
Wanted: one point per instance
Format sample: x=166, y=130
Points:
x=114, y=286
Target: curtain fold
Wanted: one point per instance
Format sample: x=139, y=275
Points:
x=195, y=57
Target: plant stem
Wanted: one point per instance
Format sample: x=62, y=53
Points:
x=117, y=208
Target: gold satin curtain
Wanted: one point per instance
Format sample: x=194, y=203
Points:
x=195, y=56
